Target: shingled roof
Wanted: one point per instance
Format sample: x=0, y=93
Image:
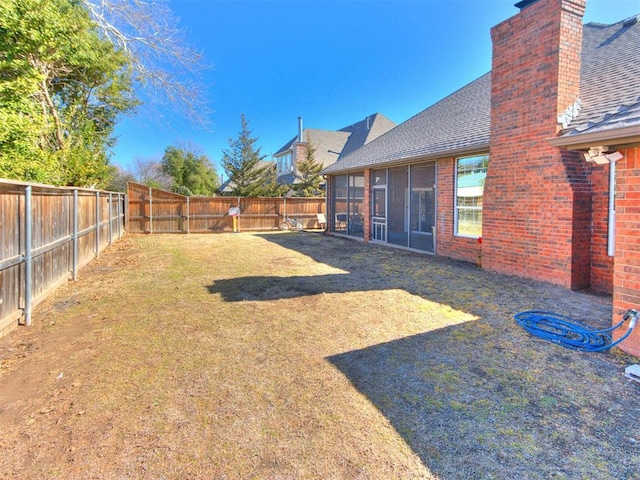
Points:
x=609, y=78
x=460, y=123
x=331, y=145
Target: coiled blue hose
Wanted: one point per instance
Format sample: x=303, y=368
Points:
x=571, y=333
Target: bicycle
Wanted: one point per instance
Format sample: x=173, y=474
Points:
x=291, y=224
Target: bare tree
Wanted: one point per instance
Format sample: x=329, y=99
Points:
x=162, y=60
x=148, y=171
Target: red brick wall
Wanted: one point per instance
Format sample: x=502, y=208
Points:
x=626, y=272
x=299, y=153
x=447, y=244
x=537, y=198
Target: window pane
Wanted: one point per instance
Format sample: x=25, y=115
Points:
x=471, y=173
x=470, y=222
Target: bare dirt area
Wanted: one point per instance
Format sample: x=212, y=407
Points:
x=302, y=356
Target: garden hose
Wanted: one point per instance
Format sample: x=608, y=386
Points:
x=570, y=333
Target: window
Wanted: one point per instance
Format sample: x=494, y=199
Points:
x=471, y=173
x=284, y=163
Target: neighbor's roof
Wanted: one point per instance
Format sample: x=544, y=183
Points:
x=459, y=123
x=365, y=131
x=328, y=144
x=331, y=145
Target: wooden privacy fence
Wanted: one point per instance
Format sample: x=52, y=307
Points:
x=47, y=234
x=152, y=210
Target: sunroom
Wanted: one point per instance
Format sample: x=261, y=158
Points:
x=402, y=205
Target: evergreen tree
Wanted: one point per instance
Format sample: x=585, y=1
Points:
x=244, y=165
x=270, y=186
x=307, y=174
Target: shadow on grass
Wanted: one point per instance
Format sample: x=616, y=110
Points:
x=471, y=407
x=370, y=267
x=480, y=399
x=362, y=268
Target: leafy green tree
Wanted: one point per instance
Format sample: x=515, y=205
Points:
x=192, y=173
x=307, y=174
x=62, y=87
x=249, y=175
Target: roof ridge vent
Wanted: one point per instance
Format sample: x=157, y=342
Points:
x=630, y=21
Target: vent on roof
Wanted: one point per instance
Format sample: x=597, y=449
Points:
x=630, y=21
x=524, y=4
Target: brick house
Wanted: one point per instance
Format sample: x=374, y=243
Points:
x=534, y=168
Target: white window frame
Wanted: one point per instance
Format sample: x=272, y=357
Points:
x=283, y=162
x=457, y=208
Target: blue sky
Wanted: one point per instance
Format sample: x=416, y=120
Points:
x=330, y=62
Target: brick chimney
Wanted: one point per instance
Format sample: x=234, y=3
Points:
x=299, y=147
x=537, y=207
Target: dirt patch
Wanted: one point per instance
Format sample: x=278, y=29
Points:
x=298, y=355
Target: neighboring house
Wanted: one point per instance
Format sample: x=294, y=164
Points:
x=534, y=168
x=330, y=146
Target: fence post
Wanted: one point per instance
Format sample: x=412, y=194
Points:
x=28, y=259
x=97, y=224
x=122, y=198
x=110, y=219
x=187, y=214
x=74, y=266
x=150, y=210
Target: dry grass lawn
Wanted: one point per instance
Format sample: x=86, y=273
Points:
x=301, y=356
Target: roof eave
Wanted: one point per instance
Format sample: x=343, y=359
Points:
x=459, y=152
x=613, y=137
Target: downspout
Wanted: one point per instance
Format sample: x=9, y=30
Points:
x=611, y=234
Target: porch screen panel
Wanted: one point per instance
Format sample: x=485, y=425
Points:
x=356, y=205
x=422, y=207
x=397, y=215
x=340, y=204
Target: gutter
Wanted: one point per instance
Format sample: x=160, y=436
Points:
x=612, y=138
x=459, y=152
